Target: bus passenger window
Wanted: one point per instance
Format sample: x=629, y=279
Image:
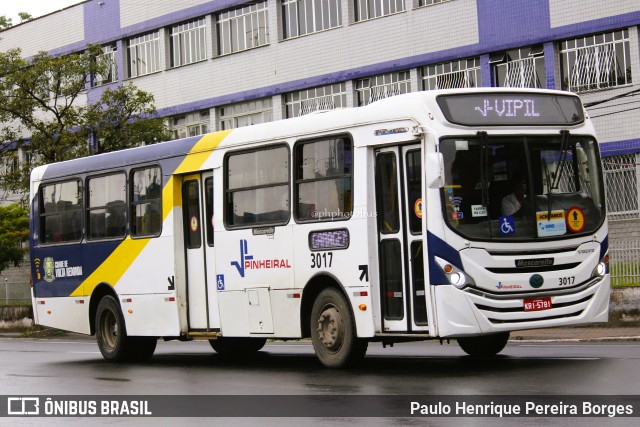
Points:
x=60, y=218
x=323, y=180
x=146, y=202
x=257, y=187
x=106, y=206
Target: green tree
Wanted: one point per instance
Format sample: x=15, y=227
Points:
x=42, y=111
x=14, y=230
x=24, y=16
x=5, y=22
x=125, y=117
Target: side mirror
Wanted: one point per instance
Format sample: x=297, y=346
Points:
x=434, y=167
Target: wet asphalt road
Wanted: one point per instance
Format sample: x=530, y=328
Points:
x=66, y=366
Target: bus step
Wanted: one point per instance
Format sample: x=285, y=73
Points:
x=204, y=335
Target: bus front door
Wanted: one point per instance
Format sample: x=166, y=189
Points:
x=197, y=211
x=398, y=173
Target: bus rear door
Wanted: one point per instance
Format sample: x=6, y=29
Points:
x=197, y=209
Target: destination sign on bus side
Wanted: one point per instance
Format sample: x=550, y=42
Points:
x=511, y=109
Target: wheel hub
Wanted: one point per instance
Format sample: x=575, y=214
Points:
x=330, y=328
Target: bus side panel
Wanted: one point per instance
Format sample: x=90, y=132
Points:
x=286, y=308
x=151, y=315
x=67, y=313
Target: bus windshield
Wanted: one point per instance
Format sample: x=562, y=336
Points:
x=522, y=187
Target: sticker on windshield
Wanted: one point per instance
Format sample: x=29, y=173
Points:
x=551, y=225
x=507, y=225
x=575, y=219
x=478, y=210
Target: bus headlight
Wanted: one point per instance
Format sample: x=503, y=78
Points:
x=602, y=268
x=454, y=275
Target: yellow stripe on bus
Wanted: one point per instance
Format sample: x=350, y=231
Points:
x=116, y=264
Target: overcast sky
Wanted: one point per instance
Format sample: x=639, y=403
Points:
x=35, y=8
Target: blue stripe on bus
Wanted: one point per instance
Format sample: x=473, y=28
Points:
x=440, y=248
x=69, y=257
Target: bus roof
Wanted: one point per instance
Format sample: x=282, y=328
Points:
x=408, y=106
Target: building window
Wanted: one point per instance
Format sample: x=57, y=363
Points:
x=243, y=28
x=146, y=202
x=452, y=75
x=188, y=43
x=383, y=86
x=316, y=99
x=369, y=9
x=245, y=114
x=430, y=2
x=257, y=187
x=323, y=171
x=596, y=62
x=106, y=208
x=108, y=60
x=192, y=124
x=302, y=17
x=621, y=180
x=60, y=214
x=522, y=67
x=144, y=54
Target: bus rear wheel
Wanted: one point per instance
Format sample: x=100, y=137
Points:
x=484, y=345
x=110, y=331
x=333, y=331
x=112, y=338
x=237, y=347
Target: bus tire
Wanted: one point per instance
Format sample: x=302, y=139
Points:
x=142, y=348
x=333, y=331
x=111, y=334
x=237, y=347
x=484, y=345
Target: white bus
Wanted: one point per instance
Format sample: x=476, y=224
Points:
x=461, y=214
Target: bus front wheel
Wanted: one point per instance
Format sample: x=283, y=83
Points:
x=333, y=331
x=484, y=345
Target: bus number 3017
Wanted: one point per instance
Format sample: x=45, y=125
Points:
x=320, y=260
x=565, y=281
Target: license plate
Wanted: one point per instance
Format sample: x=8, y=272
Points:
x=537, y=304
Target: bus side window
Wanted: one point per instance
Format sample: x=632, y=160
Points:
x=106, y=207
x=257, y=187
x=60, y=217
x=323, y=179
x=146, y=202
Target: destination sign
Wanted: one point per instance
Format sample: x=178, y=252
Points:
x=511, y=109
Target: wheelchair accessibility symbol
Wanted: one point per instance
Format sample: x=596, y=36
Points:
x=220, y=282
x=507, y=225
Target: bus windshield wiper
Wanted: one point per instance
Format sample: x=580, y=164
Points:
x=563, y=157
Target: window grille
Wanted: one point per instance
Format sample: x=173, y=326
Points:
x=188, y=43
x=192, y=124
x=369, y=9
x=144, y=54
x=243, y=28
x=621, y=181
x=382, y=86
x=596, y=62
x=245, y=114
x=316, y=99
x=108, y=59
x=302, y=17
x=452, y=75
x=522, y=67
